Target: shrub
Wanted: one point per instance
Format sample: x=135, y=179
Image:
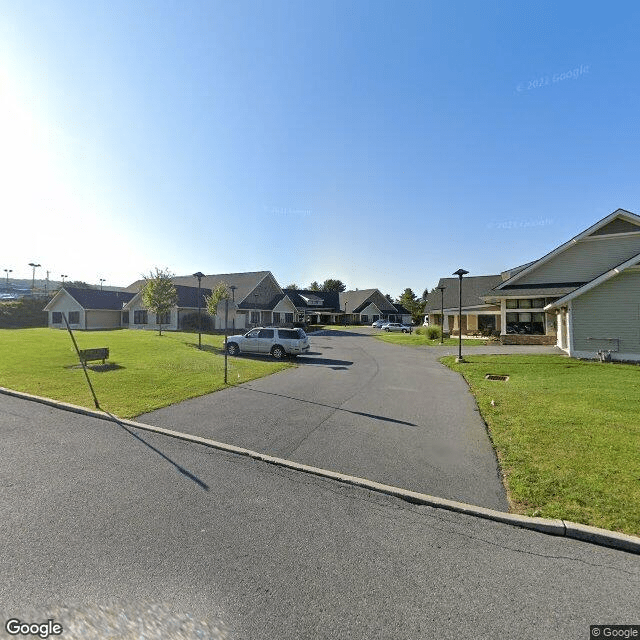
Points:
x=189, y=322
x=433, y=333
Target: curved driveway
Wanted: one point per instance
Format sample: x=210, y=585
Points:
x=362, y=407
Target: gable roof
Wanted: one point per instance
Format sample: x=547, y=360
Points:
x=95, y=298
x=358, y=299
x=473, y=288
x=612, y=273
x=620, y=221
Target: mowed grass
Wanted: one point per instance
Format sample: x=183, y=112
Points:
x=415, y=340
x=147, y=371
x=567, y=435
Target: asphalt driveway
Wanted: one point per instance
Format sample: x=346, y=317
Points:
x=363, y=407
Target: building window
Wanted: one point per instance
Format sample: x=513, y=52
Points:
x=288, y=317
x=163, y=318
x=56, y=317
x=255, y=317
x=276, y=317
x=74, y=317
x=125, y=317
x=526, y=323
x=526, y=303
x=140, y=316
x=364, y=319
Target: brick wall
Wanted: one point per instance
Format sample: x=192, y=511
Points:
x=513, y=338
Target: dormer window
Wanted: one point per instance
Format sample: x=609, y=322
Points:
x=312, y=301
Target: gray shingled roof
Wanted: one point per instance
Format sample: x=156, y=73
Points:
x=473, y=287
x=97, y=299
x=244, y=282
x=358, y=299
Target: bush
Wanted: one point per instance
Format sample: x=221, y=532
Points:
x=24, y=313
x=432, y=332
x=189, y=322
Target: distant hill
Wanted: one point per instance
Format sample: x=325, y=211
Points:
x=24, y=285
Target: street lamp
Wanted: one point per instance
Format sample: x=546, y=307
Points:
x=33, y=279
x=199, y=275
x=8, y=271
x=441, y=289
x=101, y=281
x=460, y=273
x=63, y=276
x=345, y=313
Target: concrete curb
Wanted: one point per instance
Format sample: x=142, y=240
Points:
x=564, y=528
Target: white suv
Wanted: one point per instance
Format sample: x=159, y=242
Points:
x=274, y=340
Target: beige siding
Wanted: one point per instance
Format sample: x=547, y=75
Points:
x=285, y=306
x=66, y=304
x=585, y=260
x=370, y=311
x=102, y=319
x=609, y=311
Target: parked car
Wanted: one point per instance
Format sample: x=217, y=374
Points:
x=274, y=340
x=396, y=326
x=378, y=324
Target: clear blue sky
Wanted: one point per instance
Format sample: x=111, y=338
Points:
x=386, y=144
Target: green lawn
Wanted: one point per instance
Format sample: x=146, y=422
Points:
x=149, y=371
x=567, y=435
x=415, y=340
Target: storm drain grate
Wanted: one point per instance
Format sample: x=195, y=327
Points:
x=492, y=376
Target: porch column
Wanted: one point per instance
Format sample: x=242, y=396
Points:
x=503, y=317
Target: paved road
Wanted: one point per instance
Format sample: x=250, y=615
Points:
x=91, y=516
x=363, y=407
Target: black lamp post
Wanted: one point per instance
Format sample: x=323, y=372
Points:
x=63, y=276
x=199, y=275
x=441, y=289
x=345, y=313
x=101, y=281
x=8, y=271
x=33, y=279
x=460, y=273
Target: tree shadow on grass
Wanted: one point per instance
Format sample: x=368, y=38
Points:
x=209, y=348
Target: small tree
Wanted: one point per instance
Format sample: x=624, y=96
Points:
x=292, y=286
x=314, y=286
x=159, y=294
x=220, y=293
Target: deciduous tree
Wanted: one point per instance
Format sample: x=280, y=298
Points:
x=220, y=292
x=333, y=285
x=159, y=294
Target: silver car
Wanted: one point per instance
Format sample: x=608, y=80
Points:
x=396, y=326
x=274, y=340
